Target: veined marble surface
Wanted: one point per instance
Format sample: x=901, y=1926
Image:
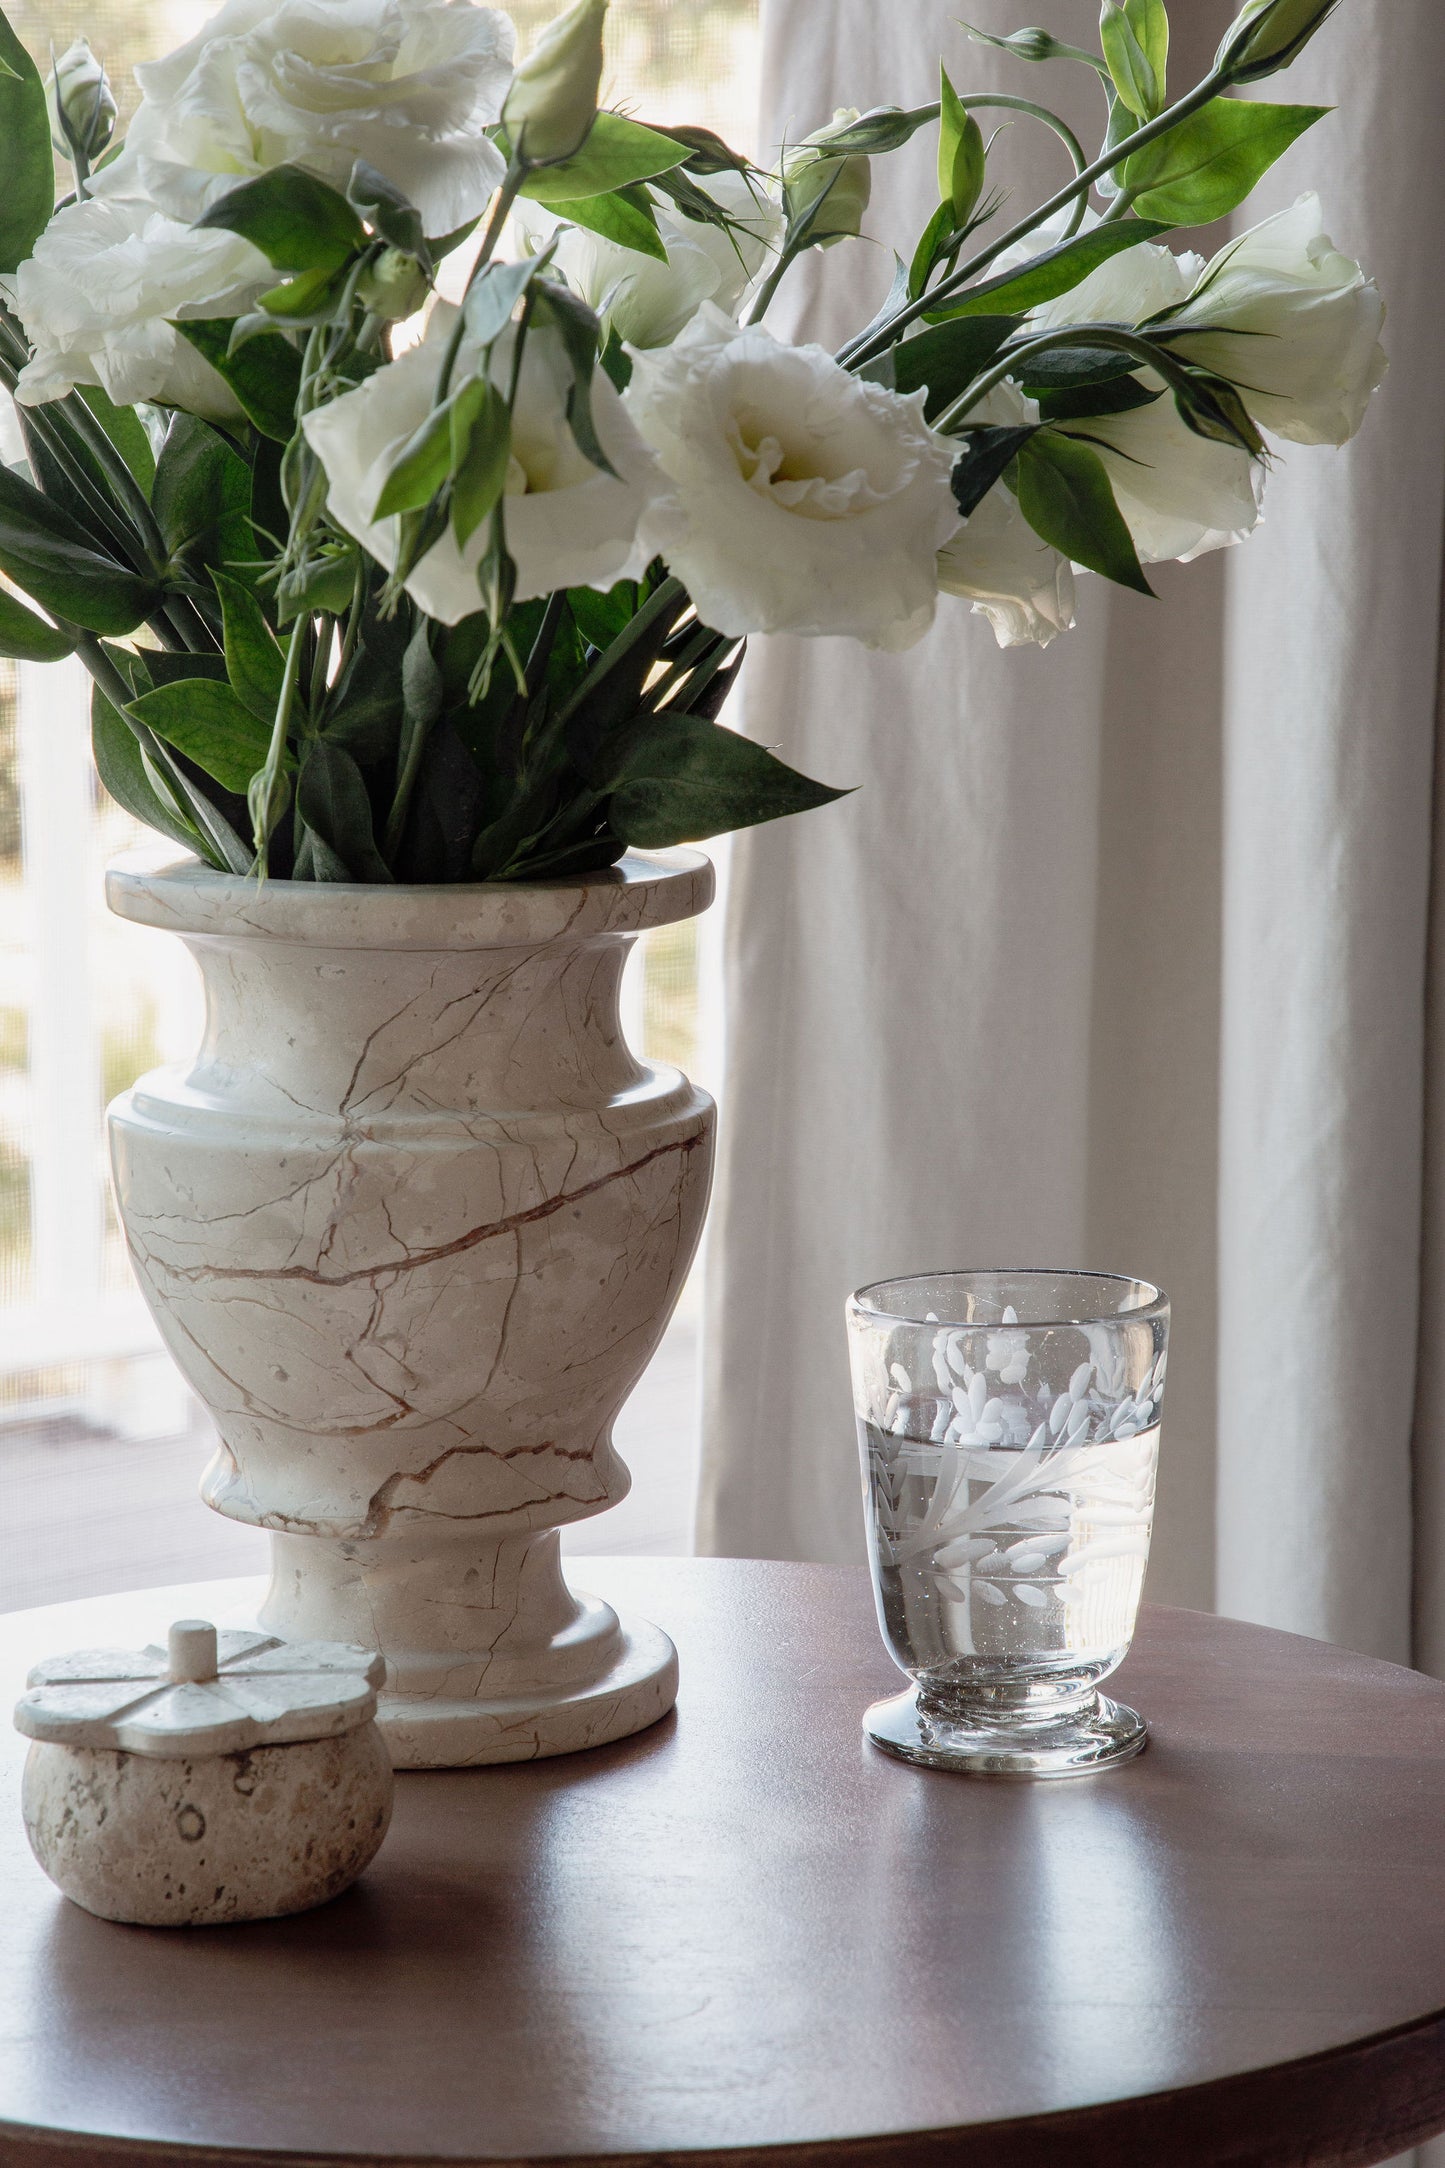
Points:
x=411, y=1225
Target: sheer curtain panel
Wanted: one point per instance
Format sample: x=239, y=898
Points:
x=1118, y=956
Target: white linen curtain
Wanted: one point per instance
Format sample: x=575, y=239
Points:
x=1119, y=954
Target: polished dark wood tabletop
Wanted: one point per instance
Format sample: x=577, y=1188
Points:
x=747, y=1931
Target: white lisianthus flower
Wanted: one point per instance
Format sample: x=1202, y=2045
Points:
x=803, y=499
x=408, y=85
x=1180, y=494
x=647, y=302
x=96, y=296
x=1015, y=579
x=1293, y=323
x=1137, y=283
x=568, y=524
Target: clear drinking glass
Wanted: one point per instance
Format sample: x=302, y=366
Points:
x=1009, y=1428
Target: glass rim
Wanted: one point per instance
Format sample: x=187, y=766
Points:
x=1156, y=1304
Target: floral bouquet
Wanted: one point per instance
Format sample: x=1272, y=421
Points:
x=380, y=586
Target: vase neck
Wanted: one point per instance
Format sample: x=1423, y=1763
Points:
x=369, y=1033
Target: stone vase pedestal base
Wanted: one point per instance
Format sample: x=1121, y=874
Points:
x=527, y=1667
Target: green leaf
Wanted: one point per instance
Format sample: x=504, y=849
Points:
x=325, y=581
x=600, y=617
x=676, y=779
x=201, y=497
x=48, y=555
x=297, y=222
x=211, y=726
x=122, y=768
x=493, y=297
x=264, y=374
x=1067, y=366
x=162, y=666
x=930, y=247
x=367, y=724
x=960, y=153
x=581, y=337
x=442, y=244
x=1206, y=165
x=1057, y=271
x=422, y=466
x=1066, y=496
x=947, y=357
x=616, y=153
x=310, y=298
x=481, y=454
x=27, y=163
x=1118, y=395
x=626, y=217
x=989, y=452
x=127, y=432
x=382, y=204
x=24, y=637
x=255, y=659
x=1135, y=38
x=331, y=797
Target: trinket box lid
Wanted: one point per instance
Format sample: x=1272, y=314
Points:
x=206, y=1693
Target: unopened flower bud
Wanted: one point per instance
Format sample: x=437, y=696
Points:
x=552, y=103
x=1267, y=35
x=394, y=286
x=82, y=110
x=834, y=186
x=1032, y=44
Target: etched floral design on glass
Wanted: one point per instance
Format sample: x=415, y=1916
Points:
x=1009, y=1429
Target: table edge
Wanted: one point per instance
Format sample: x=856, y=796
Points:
x=1281, y=2116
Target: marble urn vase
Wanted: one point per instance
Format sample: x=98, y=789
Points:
x=411, y=1224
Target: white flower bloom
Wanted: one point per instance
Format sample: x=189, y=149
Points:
x=803, y=499
x=96, y=295
x=1294, y=324
x=1180, y=494
x=408, y=85
x=1129, y=287
x=568, y=524
x=647, y=302
x=1019, y=582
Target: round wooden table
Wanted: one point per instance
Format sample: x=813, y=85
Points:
x=746, y=1930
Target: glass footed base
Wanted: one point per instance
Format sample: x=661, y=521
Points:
x=1099, y=1737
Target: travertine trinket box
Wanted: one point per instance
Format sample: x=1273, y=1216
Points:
x=226, y=1777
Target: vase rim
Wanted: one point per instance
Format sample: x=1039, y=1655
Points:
x=175, y=891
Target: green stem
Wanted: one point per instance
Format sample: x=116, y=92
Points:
x=264, y=805
x=353, y=621
x=507, y=195
x=322, y=629
x=857, y=353
x=770, y=285
x=984, y=99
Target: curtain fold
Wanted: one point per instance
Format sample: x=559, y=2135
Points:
x=1118, y=955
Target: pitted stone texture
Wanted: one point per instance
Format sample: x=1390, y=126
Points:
x=412, y=1226
x=230, y=1837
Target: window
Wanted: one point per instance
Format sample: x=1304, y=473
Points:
x=101, y=1444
